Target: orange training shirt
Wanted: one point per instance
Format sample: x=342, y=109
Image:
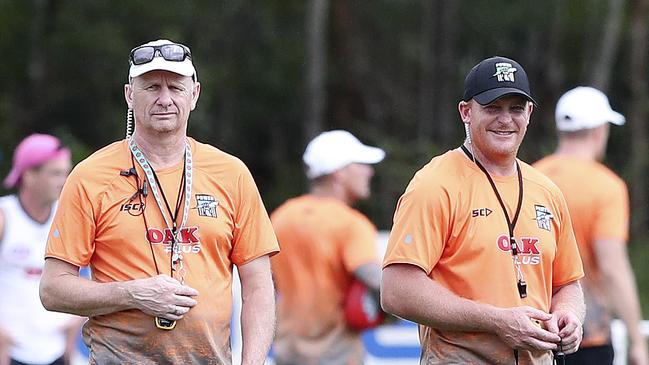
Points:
x=450, y=224
x=599, y=210
x=323, y=242
x=98, y=225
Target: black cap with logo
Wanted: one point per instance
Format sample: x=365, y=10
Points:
x=496, y=77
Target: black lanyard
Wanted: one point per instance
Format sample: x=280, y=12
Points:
x=511, y=224
x=176, y=259
x=173, y=215
x=185, y=186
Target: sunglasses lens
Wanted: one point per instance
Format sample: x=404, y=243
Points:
x=142, y=55
x=170, y=52
x=173, y=52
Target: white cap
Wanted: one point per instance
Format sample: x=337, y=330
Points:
x=585, y=108
x=333, y=150
x=185, y=68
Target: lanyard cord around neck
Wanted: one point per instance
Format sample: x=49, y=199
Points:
x=181, y=190
x=156, y=188
x=511, y=224
x=141, y=193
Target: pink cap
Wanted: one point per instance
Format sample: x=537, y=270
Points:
x=33, y=151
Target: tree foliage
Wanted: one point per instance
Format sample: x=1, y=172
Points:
x=394, y=73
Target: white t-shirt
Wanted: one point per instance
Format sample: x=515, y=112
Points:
x=37, y=332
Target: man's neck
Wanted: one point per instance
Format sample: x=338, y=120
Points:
x=37, y=209
x=330, y=190
x=577, y=149
x=501, y=165
x=162, y=151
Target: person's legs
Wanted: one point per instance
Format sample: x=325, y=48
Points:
x=596, y=355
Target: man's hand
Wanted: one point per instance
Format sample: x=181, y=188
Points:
x=519, y=328
x=162, y=296
x=567, y=325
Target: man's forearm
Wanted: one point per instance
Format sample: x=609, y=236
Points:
x=257, y=327
x=68, y=293
x=370, y=276
x=257, y=310
x=569, y=297
x=621, y=287
x=408, y=293
x=620, y=284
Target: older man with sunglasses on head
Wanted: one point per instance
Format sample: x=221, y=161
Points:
x=161, y=219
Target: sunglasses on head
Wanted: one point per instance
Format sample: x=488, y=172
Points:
x=171, y=52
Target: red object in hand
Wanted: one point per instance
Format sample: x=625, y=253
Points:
x=362, y=311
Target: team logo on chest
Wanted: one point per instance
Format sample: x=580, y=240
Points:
x=543, y=217
x=206, y=205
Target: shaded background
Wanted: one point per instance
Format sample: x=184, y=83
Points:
x=275, y=73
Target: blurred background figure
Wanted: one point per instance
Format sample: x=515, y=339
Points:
x=28, y=333
x=599, y=206
x=326, y=246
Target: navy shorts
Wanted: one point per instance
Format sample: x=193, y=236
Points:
x=595, y=355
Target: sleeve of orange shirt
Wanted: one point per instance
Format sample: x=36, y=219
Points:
x=253, y=232
x=71, y=237
x=567, y=265
x=358, y=243
x=421, y=225
x=612, y=212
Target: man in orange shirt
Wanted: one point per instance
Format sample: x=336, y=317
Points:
x=482, y=253
x=326, y=244
x=600, y=218
x=161, y=219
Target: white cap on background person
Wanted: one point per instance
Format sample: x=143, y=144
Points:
x=333, y=150
x=585, y=108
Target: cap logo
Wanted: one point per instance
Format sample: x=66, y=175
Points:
x=504, y=72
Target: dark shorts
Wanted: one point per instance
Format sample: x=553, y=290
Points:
x=58, y=361
x=596, y=355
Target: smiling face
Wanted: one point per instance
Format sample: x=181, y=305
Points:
x=161, y=101
x=497, y=129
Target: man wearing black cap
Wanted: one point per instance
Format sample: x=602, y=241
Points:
x=482, y=253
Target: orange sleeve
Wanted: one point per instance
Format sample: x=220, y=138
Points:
x=421, y=225
x=612, y=212
x=359, y=244
x=567, y=265
x=72, y=234
x=253, y=232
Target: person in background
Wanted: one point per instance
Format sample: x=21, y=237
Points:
x=326, y=246
x=482, y=253
x=29, y=334
x=161, y=219
x=600, y=218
